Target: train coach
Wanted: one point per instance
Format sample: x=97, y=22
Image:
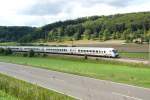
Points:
x=90, y=51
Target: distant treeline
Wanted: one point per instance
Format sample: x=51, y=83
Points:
x=132, y=27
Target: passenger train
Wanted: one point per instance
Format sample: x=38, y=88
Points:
x=90, y=51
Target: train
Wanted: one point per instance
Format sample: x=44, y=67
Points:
x=89, y=51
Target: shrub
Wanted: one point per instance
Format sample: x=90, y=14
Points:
x=7, y=51
x=1, y=50
x=44, y=55
x=31, y=53
x=25, y=54
x=38, y=54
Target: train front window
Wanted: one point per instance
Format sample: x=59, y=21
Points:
x=115, y=51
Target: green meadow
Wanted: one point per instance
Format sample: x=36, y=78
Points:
x=13, y=89
x=118, y=72
x=4, y=96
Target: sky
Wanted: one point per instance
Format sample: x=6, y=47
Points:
x=41, y=12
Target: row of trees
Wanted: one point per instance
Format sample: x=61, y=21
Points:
x=129, y=27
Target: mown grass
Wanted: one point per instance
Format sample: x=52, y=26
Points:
x=138, y=55
x=13, y=89
x=118, y=72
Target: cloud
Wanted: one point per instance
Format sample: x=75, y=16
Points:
x=117, y=3
x=44, y=8
x=38, y=13
x=54, y=7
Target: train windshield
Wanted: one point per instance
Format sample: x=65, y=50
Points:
x=115, y=51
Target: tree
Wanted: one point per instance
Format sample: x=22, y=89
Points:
x=130, y=37
x=118, y=35
x=76, y=36
x=106, y=34
x=51, y=36
x=100, y=35
x=114, y=35
x=124, y=35
x=87, y=34
x=147, y=36
x=94, y=36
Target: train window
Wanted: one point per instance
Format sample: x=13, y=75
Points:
x=104, y=51
x=115, y=51
x=96, y=51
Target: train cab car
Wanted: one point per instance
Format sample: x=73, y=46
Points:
x=114, y=53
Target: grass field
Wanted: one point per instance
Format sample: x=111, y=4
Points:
x=8, y=43
x=13, y=89
x=138, y=55
x=4, y=96
x=101, y=70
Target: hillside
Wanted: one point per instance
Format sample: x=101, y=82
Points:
x=131, y=27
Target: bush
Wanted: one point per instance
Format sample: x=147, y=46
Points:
x=2, y=51
x=38, y=54
x=44, y=55
x=7, y=51
x=25, y=54
x=31, y=53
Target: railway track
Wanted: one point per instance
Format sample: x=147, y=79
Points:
x=127, y=60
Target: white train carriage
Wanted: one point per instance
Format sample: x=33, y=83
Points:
x=91, y=51
x=94, y=51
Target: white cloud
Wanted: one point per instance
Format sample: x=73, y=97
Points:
x=41, y=12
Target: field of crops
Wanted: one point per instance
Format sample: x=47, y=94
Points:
x=123, y=73
x=13, y=89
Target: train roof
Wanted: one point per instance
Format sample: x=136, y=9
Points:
x=61, y=47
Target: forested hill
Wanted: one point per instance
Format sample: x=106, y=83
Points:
x=129, y=27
